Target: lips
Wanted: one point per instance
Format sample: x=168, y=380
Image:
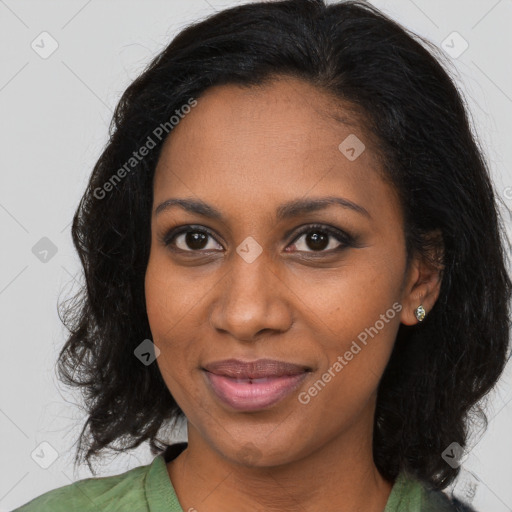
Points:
x=259, y=369
x=256, y=385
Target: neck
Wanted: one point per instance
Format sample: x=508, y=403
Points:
x=337, y=476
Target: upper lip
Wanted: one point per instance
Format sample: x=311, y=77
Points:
x=254, y=369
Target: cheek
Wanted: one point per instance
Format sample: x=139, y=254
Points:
x=349, y=377
x=346, y=301
x=355, y=314
x=155, y=285
x=170, y=295
x=171, y=306
x=163, y=313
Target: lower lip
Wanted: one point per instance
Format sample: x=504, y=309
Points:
x=245, y=396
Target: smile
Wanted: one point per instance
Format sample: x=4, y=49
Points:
x=252, y=394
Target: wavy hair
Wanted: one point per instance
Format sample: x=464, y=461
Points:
x=440, y=369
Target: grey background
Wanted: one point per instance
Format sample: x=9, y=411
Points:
x=55, y=114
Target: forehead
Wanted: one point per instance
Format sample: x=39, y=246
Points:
x=281, y=139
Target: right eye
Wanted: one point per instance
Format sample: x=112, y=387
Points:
x=190, y=239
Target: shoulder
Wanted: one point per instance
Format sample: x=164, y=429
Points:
x=410, y=494
x=109, y=494
x=436, y=500
x=439, y=501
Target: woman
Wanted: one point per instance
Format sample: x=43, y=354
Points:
x=292, y=241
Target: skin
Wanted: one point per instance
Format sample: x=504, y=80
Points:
x=245, y=151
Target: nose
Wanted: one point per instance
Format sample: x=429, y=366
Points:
x=251, y=300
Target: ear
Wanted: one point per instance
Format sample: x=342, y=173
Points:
x=423, y=279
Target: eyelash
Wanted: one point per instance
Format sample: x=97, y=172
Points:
x=345, y=239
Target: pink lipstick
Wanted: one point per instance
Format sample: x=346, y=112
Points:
x=250, y=386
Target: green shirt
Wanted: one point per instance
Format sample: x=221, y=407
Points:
x=149, y=489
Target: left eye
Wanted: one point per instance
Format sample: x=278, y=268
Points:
x=319, y=239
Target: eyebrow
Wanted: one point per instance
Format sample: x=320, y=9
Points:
x=287, y=210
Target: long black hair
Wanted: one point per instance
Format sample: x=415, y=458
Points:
x=439, y=369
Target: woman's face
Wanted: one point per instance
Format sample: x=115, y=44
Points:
x=248, y=284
